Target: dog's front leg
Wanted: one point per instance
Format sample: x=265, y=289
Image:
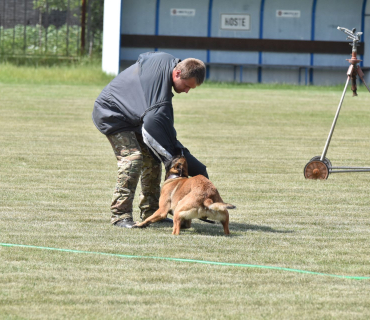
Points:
x=160, y=214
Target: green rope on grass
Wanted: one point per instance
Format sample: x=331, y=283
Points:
x=187, y=260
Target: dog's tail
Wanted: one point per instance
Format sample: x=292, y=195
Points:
x=218, y=206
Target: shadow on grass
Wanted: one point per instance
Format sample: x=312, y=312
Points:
x=245, y=227
x=217, y=229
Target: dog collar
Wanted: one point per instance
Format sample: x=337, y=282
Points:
x=173, y=176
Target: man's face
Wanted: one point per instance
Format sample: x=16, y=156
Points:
x=182, y=85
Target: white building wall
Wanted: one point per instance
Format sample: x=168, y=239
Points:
x=111, y=36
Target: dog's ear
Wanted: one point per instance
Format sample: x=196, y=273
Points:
x=185, y=172
x=179, y=152
x=169, y=164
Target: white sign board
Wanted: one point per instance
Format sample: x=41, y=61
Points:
x=235, y=21
x=183, y=12
x=288, y=13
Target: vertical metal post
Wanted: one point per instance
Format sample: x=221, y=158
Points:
x=259, y=69
x=13, y=46
x=89, y=37
x=46, y=27
x=313, y=23
x=336, y=117
x=25, y=28
x=158, y=4
x=67, y=35
x=40, y=30
x=78, y=48
x=83, y=26
x=56, y=41
x=1, y=30
x=306, y=76
x=35, y=37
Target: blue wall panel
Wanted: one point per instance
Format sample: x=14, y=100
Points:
x=188, y=25
x=285, y=28
x=317, y=20
x=138, y=17
x=220, y=7
x=329, y=15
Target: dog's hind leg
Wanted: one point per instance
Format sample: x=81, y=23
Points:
x=176, y=224
x=225, y=224
x=182, y=216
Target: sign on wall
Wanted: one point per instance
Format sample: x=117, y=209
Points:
x=288, y=13
x=183, y=12
x=235, y=21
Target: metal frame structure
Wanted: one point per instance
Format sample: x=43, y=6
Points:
x=320, y=167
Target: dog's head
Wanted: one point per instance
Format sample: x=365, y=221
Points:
x=178, y=166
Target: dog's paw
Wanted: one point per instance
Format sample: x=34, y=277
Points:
x=138, y=225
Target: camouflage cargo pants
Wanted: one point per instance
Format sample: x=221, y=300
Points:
x=134, y=160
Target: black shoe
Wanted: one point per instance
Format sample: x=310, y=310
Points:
x=166, y=220
x=125, y=223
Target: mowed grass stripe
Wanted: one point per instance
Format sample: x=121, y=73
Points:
x=57, y=177
x=185, y=260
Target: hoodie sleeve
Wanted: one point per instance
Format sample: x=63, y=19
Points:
x=159, y=133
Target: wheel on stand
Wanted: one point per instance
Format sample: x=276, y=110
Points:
x=316, y=169
x=326, y=160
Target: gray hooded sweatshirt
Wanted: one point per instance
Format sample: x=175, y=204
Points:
x=140, y=99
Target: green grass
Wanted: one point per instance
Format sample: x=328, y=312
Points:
x=58, y=174
x=84, y=72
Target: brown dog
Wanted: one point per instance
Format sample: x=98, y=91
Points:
x=188, y=198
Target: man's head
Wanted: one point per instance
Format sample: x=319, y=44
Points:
x=188, y=74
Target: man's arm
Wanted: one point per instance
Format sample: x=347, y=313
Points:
x=159, y=135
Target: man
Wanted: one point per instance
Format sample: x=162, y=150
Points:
x=135, y=112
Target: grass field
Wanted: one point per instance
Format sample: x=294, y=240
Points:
x=58, y=174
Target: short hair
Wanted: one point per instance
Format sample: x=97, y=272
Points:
x=192, y=68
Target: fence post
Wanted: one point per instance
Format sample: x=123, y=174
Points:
x=67, y=38
x=83, y=26
x=24, y=28
x=46, y=27
x=13, y=28
x=89, y=41
x=2, y=30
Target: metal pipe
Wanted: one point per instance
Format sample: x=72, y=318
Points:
x=259, y=69
x=25, y=28
x=209, y=34
x=335, y=119
x=83, y=27
x=365, y=168
x=313, y=22
x=341, y=171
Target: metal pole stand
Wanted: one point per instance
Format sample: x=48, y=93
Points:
x=320, y=167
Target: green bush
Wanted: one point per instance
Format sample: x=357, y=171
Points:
x=37, y=40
